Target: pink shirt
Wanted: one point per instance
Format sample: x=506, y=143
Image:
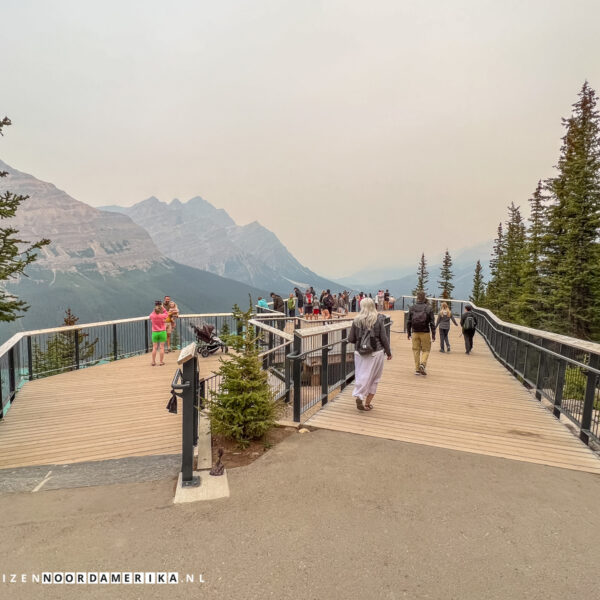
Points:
x=158, y=320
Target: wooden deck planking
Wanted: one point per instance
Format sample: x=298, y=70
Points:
x=103, y=412
x=466, y=403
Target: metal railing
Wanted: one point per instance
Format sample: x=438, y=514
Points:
x=563, y=370
x=41, y=353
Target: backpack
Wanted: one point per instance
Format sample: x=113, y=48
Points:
x=419, y=318
x=469, y=324
x=328, y=301
x=366, y=343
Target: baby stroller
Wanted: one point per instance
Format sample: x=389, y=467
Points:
x=206, y=341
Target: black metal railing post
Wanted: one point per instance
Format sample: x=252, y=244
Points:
x=297, y=368
x=539, y=378
x=590, y=395
x=29, y=358
x=201, y=393
x=11, y=374
x=115, y=350
x=189, y=377
x=324, y=368
x=560, y=384
x=147, y=336
x=76, y=348
x=343, y=356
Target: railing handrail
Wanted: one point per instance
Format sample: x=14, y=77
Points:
x=17, y=337
x=555, y=337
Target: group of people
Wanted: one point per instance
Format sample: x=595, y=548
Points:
x=371, y=341
x=164, y=321
x=311, y=305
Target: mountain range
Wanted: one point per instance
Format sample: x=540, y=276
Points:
x=197, y=234
x=100, y=264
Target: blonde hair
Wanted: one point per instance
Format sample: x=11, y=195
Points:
x=368, y=314
x=445, y=311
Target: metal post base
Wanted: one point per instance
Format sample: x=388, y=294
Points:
x=195, y=482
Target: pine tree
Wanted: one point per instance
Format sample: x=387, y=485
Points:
x=571, y=260
x=511, y=264
x=15, y=254
x=532, y=308
x=422, y=276
x=493, y=284
x=478, y=294
x=445, y=280
x=63, y=349
x=243, y=409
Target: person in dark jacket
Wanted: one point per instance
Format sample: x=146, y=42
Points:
x=279, y=307
x=299, y=301
x=368, y=366
x=443, y=324
x=419, y=324
x=468, y=322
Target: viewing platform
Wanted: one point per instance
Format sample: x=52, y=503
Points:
x=116, y=407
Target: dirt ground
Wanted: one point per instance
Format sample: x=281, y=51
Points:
x=234, y=456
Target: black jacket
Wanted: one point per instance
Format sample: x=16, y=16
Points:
x=427, y=325
x=465, y=315
x=278, y=303
x=380, y=335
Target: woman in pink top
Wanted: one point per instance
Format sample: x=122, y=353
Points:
x=159, y=331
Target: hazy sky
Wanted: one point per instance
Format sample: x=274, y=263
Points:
x=411, y=124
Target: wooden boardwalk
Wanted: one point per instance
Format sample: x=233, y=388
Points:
x=467, y=403
x=103, y=412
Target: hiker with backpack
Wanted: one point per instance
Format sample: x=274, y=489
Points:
x=371, y=341
x=443, y=324
x=308, y=299
x=419, y=324
x=299, y=301
x=468, y=322
x=327, y=304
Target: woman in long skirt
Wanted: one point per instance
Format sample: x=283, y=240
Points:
x=368, y=363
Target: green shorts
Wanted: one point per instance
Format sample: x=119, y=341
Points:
x=159, y=336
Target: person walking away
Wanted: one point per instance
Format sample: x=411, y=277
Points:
x=371, y=341
x=443, y=324
x=353, y=303
x=158, y=317
x=308, y=298
x=386, y=300
x=279, y=307
x=468, y=322
x=291, y=305
x=419, y=324
x=299, y=301
x=171, y=323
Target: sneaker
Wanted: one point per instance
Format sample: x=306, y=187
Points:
x=448, y=349
x=442, y=350
x=422, y=370
x=417, y=372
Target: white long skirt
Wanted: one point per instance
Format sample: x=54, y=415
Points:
x=367, y=373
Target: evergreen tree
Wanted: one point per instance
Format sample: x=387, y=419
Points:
x=478, y=294
x=511, y=264
x=493, y=284
x=61, y=350
x=532, y=308
x=243, y=409
x=445, y=280
x=15, y=254
x=571, y=261
x=422, y=276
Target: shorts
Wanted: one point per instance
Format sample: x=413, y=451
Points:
x=308, y=310
x=316, y=311
x=159, y=336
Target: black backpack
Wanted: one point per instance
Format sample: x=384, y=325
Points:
x=366, y=343
x=419, y=318
x=469, y=324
